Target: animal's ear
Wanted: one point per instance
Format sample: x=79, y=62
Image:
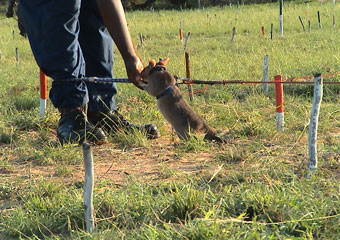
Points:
x=152, y=62
x=163, y=61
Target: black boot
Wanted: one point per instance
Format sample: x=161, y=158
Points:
x=112, y=121
x=74, y=127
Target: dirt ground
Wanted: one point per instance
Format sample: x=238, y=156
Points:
x=148, y=164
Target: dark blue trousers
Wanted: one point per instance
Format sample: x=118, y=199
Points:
x=69, y=40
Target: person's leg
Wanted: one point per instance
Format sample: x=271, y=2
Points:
x=97, y=47
x=53, y=28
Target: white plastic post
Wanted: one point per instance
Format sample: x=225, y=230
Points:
x=265, y=74
x=186, y=41
x=314, y=119
x=88, y=187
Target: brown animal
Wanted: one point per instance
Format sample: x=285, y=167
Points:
x=160, y=83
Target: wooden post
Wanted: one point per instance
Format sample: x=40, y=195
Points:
x=180, y=35
x=181, y=31
x=309, y=27
x=88, y=187
x=13, y=34
x=233, y=34
x=188, y=75
x=265, y=74
x=262, y=29
x=313, y=124
x=319, y=19
x=43, y=94
x=281, y=18
x=303, y=26
x=279, y=103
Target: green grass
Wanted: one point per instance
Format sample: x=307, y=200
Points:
x=252, y=187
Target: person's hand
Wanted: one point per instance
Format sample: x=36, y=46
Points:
x=133, y=69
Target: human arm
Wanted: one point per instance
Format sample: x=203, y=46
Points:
x=114, y=19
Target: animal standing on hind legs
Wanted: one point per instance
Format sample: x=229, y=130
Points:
x=160, y=83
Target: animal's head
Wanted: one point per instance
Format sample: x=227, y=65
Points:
x=156, y=78
x=153, y=67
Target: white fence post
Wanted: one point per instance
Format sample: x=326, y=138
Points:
x=88, y=187
x=314, y=119
x=265, y=74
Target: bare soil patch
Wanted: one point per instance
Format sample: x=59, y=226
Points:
x=148, y=164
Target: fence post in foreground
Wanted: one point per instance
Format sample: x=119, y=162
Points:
x=313, y=124
x=265, y=74
x=88, y=187
x=188, y=75
x=43, y=94
x=279, y=103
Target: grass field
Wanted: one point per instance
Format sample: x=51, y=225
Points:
x=252, y=187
